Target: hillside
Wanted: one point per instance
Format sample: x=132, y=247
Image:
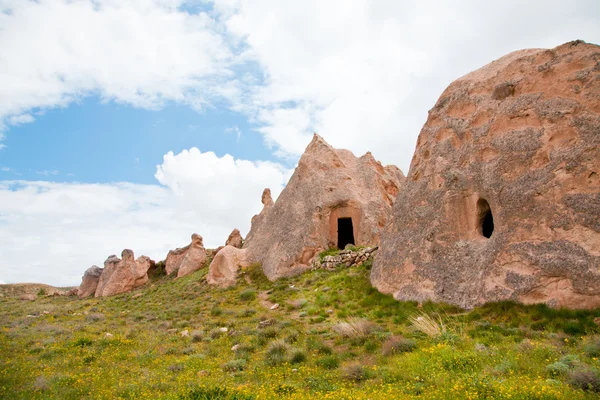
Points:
x=332, y=336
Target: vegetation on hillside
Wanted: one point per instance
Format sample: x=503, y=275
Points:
x=333, y=336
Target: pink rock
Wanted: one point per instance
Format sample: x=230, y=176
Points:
x=89, y=282
x=332, y=199
x=235, y=239
x=223, y=269
x=122, y=275
x=186, y=260
x=503, y=196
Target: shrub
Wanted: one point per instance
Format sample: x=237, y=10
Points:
x=593, y=348
x=355, y=372
x=197, y=336
x=585, y=379
x=41, y=292
x=41, y=384
x=216, y=393
x=82, y=342
x=397, y=345
x=557, y=369
x=175, y=367
x=355, y=328
x=94, y=317
x=248, y=295
x=234, y=365
x=328, y=362
x=298, y=356
x=277, y=352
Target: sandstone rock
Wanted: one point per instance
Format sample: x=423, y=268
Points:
x=257, y=220
x=122, y=275
x=223, y=269
x=332, y=199
x=235, y=239
x=503, y=196
x=89, y=282
x=275, y=306
x=188, y=259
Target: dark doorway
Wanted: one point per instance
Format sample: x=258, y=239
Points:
x=486, y=220
x=345, y=232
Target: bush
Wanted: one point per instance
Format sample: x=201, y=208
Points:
x=355, y=372
x=593, y=348
x=217, y=393
x=234, y=365
x=248, y=295
x=298, y=356
x=397, y=345
x=197, y=336
x=428, y=325
x=557, y=369
x=328, y=362
x=585, y=379
x=277, y=352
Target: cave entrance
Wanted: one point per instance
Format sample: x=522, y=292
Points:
x=345, y=232
x=486, y=219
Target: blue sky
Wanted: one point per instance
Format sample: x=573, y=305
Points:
x=133, y=124
x=95, y=141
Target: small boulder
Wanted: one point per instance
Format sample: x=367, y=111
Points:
x=224, y=268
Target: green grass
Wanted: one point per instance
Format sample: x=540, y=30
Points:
x=333, y=336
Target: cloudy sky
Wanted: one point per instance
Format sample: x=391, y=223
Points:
x=134, y=123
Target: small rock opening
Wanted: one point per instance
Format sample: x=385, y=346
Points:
x=486, y=219
x=345, y=232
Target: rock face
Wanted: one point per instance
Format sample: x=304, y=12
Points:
x=503, y=196
x=89, y=282
x=235, y=239
x=332, y=199
x=223, y=270
x=123, y=275
x=188, y=259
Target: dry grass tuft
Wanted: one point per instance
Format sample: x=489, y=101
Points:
x=355, y=328
x=428, y=325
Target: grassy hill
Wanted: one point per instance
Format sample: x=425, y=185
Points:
x=332, y=336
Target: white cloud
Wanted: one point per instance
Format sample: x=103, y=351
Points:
x=364, y=73
x=52, y=232
x=137, y=52
x=234, y=129
x=20, y=119
x=5, y=169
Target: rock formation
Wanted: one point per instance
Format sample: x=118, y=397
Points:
x=503, y=196
x=223, y=270
x=89, y=282
x=256, y=222
x=332, y=199
x=122, y=275
x=235, y=239
x=188, y=259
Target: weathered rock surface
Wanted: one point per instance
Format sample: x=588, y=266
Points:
x=257, y=220
x=503, y=196
x=327, y=185
x=348, y=258
x=224, y=268
x=235, y=239
x=89, y=282
x=123, y=275
x=188, y=259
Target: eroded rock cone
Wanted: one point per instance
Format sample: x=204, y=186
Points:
x=332, y=199
x=188, y=259
x=224, y=268
x=257, y=220
x=235, y=239
x=503, y=196
x=122, y=275
x=89, y=282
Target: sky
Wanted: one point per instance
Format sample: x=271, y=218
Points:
x=135, y=123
